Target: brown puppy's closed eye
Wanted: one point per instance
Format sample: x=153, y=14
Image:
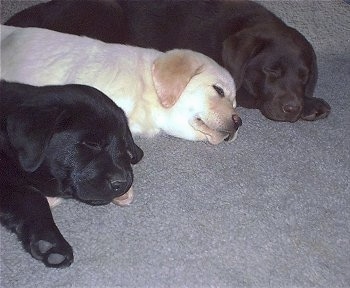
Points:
x=277, y=75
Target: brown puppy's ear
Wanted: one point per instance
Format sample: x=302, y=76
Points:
x=171, y=72
x=237, y=51
x=30, y=130
x=313, y=71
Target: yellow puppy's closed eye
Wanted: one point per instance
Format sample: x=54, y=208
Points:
x=219, y=90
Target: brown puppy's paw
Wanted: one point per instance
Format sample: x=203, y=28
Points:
x=315, y=109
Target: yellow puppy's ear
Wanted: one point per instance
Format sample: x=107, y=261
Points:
x=171, y=72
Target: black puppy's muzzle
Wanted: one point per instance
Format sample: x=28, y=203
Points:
x=237, y=122
x=119, y=184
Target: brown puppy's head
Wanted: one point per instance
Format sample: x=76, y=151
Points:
x=198, y=96
x=276, y=72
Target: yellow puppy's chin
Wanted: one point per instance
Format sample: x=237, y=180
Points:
x=234, y=137
x=125, y=199
x=215, y=139
x=212, y=136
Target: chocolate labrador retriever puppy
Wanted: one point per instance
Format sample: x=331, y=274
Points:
x=60, y=141
x=273, y=65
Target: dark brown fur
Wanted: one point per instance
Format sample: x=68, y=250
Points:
x=273, y=65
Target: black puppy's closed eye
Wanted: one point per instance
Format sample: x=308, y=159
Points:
x=219, y=90
x=92, y=145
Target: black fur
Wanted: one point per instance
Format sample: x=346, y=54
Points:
x=273, y=65
x=61, y=141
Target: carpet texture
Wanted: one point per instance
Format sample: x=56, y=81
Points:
x=271, y=209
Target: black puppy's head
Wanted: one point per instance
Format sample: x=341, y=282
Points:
x=88, y=151
x=278, y=68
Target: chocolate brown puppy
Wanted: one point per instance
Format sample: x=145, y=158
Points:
x=273, y=65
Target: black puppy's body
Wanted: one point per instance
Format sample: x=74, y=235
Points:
x=273, y=65
x=67, y=141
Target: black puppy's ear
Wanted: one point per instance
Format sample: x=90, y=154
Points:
x=134, y=151
x=30, y=130
x=238, y=49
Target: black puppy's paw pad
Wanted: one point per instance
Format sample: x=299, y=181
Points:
x=55, y=259
x=52, y=258
x=44, y=246
x=54, y=254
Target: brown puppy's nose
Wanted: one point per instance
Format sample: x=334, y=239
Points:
x=291, y=108
x=237, y=121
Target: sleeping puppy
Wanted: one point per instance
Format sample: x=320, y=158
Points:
x=78, y=17
x=180, y=92
x=273, y=65
x=67, y=141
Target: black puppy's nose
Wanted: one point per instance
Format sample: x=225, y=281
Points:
x=291, y=108
x=237, y=121
x=117, y=182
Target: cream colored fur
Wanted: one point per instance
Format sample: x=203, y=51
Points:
x=171, y=92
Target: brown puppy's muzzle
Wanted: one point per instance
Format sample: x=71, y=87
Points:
x=287, y=107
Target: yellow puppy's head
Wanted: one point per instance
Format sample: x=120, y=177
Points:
x=199, y=95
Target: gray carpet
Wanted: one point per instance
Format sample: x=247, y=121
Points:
x=271, y=209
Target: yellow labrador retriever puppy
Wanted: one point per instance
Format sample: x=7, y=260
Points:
x=181, y=92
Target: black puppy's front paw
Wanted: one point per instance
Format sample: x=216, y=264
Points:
x=52, y=249
x=315, y=109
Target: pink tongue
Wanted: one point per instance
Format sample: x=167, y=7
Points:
x=125, y=199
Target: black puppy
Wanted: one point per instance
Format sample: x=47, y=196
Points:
x=273, y=65
x=67, y=141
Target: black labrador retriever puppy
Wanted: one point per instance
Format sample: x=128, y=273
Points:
x=273, y=65
x=67, y=141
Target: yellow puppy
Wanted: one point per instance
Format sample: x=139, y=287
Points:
x=181, y=92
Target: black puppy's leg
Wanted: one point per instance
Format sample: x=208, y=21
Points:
x=315, y=109
x=27, y=213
